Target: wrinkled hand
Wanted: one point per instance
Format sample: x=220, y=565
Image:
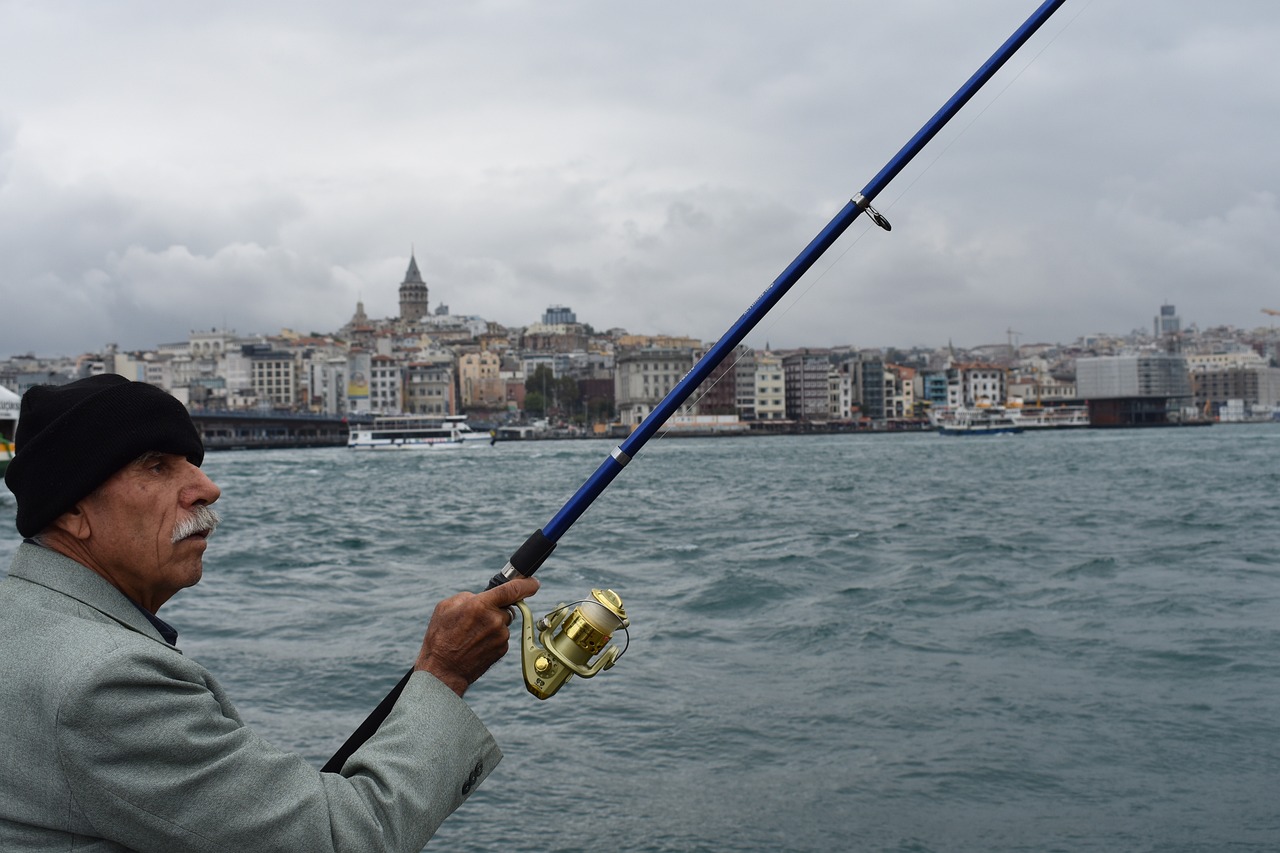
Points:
x=469, y=631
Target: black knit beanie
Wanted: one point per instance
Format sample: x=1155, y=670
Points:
x=72, y=438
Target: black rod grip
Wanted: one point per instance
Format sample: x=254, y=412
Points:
x=527, y=558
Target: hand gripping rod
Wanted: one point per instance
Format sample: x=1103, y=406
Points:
x=535, y=550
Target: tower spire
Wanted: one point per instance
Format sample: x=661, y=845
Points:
x=413, y=293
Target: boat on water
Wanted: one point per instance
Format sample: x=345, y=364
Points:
x=1010, y=419
x=9, y=405
x=975, y=422
x=1050, y=417
x=417, y=432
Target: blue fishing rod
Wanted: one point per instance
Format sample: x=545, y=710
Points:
x=570, y=638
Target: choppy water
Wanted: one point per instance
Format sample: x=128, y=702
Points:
x=1049, y=642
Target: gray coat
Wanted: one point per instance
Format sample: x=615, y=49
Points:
x=111, y=739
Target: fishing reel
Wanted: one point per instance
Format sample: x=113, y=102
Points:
x=568, y=638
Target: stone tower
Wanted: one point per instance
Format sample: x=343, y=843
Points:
x=413, y=294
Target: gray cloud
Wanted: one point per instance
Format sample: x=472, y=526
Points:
x=265, y=165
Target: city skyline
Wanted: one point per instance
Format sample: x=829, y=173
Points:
x=1012, y=339
x=251, y=166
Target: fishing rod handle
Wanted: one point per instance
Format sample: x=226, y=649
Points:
x=526, y=560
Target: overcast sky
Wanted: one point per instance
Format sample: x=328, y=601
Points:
x=168, y=166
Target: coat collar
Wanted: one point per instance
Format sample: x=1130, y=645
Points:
x=46, y=567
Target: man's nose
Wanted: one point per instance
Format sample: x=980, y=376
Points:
x=202, y=490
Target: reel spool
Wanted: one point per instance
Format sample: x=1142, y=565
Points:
x=567, y=639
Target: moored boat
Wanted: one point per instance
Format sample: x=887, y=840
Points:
x=9, y=405
x=984, y=421
x=1050, y=417
x=417, y=432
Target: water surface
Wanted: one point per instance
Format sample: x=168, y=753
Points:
x=1047, y=642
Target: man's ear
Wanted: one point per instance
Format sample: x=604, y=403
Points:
x=74, y=522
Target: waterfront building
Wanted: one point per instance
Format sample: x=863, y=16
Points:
x=770, y=387
x=429, y=387
x=130, y=365
x=976, y=384
x=386, y=386
x=326, y=382
x=718, y=393
x=834, y=397
x=642, y=377
x=807, y=388
x=1042, y=389
x=933, y=387
x=158, y=371
x=359, y=365
x=516, y=391
x=480, y=386
x=1144, y=375
x=744, y=384
x=1255, y=386
x=870, y=386
x=1238, y=358
x=862, y=385
x=1146, y=389
x=846, y=406
x=273, y=376
x=899, y=392
x=597, y=397
x=185, y=371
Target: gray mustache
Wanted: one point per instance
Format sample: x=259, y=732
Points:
x=202, y=518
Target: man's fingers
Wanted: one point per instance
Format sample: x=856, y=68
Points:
x=510, y=592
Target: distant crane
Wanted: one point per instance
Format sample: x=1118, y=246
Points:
x=1013, y=347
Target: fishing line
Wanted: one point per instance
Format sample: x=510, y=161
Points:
x=821, y=275
x=946, y=146
x=577, y=642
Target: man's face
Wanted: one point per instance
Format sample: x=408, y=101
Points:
x=132, y=520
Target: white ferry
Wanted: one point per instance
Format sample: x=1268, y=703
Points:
x=1050, y=417
x=417, y=432
x=1001, y=420
x=9, y=405
x=984, y=421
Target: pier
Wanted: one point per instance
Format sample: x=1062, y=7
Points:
x=226, y=430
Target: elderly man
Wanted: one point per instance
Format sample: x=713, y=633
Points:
x=112, y=739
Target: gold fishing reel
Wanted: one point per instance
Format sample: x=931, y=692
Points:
x=568, y=638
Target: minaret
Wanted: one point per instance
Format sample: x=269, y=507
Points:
x=413, y=294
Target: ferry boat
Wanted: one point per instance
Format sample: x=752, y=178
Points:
x=1050, y=417
x=418, y=432
x=987, y=421
x=9, y=405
